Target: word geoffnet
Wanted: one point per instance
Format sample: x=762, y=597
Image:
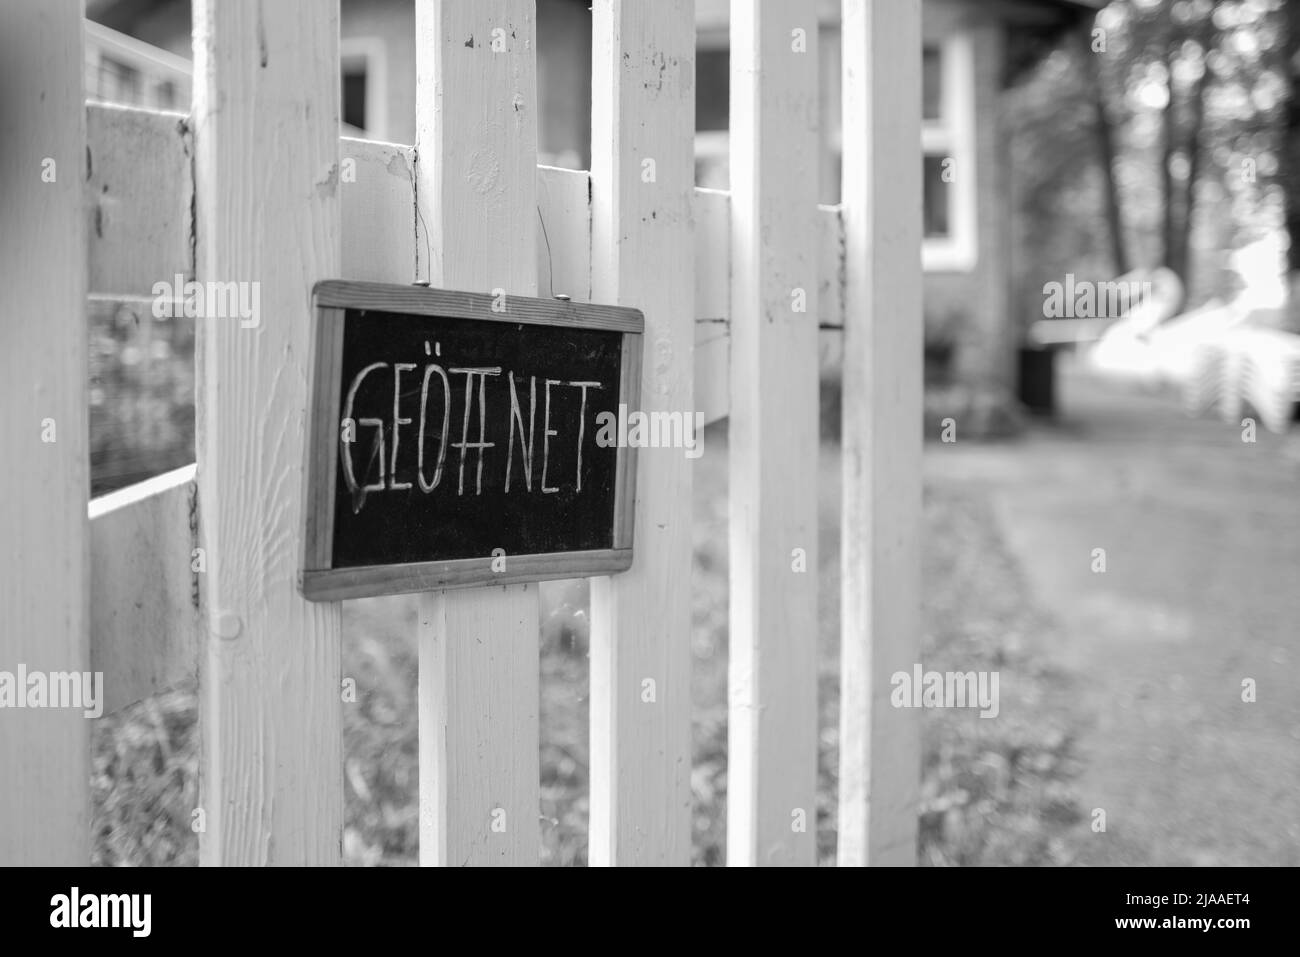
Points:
x=383, y=469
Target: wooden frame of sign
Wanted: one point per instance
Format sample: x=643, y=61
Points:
x=340, y=561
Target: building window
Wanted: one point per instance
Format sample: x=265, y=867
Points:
x=712, y=89
x=938, y=222
x=930, y=84
x=949, y=171
x=948, y=145
x=712, y=111
x=363, y=67
x=354, y=95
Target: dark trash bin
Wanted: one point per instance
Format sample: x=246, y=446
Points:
x=1036, y=380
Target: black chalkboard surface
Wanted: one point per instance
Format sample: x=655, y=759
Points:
x=454, y=440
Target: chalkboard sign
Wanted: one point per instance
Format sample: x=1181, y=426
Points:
x=454, y=440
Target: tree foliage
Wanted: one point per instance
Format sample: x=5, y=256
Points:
x=1154, y=138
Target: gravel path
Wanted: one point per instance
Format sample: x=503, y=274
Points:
x=1201, y=590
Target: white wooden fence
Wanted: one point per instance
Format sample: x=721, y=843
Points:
x=256, y=185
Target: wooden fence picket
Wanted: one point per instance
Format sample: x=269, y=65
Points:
x=880, y=558
x=476, y=176
x=642, y=188
x=266, y=141
x=773, y=435
x=45, y=753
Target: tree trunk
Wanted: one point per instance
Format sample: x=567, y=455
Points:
x=1291, y=152
x=1105, y=134
x=1168, y=147
x=1179, y=257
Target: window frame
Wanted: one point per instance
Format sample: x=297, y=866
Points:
x=713, y=147
x=371, y=52
x=952, y=134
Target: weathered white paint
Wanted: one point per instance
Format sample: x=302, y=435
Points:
x=138, y=195
x=476, y=121
x=144, y=587
x=880, y=559
x=267, y=206
x=478, y=692
x=377, y=190
x=564, y=233
x=773, y=437
x=643, y=109
x=44, y=753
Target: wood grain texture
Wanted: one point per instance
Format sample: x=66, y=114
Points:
x=476, y=124
x=478, y=701
x=643, y=170
x=144, y=587
x=564, y=233
x=44, y=753
x=138, y=195
x=377, y=188
x=267, y=208
x=773, y=436
x=880, y=764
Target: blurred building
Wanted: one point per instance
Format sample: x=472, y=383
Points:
x=973, y=50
